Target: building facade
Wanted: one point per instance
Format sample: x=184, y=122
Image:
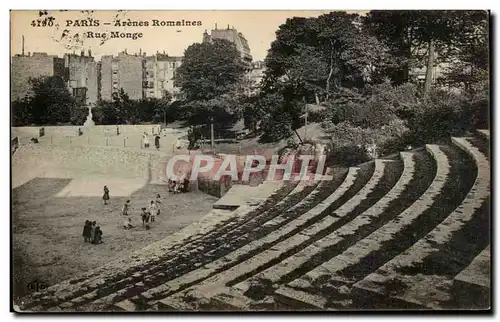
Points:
x=166, y=67
x=232, y=35
x=139, y=75
x=128, y=74
x=32, y=66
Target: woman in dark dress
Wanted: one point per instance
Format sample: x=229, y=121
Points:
x=105, y=197
x=157, y=141
x=86, y=231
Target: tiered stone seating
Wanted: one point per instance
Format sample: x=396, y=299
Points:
x=409, y=268
x=278, y=272
x=340, y=269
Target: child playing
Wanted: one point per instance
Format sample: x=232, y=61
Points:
x=128, y=224
x=144, y=216
x=153, y=210
x=158, y=202
x=126, y=208
x=105, y=197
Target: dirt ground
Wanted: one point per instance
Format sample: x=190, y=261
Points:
x=47, y=240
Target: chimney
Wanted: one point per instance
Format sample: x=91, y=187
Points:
x=140, y=51
x=90, y=52
x=29, y=54
x=82, y=53
x=23, y=47
x=215, y=26
x=164, y=52
x=228, y=27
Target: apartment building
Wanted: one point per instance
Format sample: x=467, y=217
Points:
x=81, y=74
x=24, y=67
x=122, y=71
x=232, y=35
x=166, y=67
x=140, y=76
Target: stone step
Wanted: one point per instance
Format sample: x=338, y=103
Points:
x=484, y=133
x=300, y=299
x=414, y=258
x=374, y=242
x=234, y=257
x=240, y=194
x=473, y=284
x=276, y=273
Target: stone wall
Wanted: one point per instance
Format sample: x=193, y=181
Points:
x=72, y=130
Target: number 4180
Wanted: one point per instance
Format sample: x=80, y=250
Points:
x=47, y=22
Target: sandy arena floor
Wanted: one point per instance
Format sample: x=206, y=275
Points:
x=47, y=228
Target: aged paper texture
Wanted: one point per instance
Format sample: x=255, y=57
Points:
x=250, y=160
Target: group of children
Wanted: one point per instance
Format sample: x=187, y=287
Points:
x=177, y=186
x=147, y=215
x=92, y=233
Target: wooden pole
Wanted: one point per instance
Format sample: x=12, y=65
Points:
x=212, y=141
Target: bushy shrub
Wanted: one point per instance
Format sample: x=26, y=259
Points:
x=440, y=116
x=392, y=138
x=79, y=115
x=348, y=155
x=276, y=127
x=377, y=106
x=344, y=133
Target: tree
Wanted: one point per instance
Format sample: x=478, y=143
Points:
x=209, y=70
x=49, y=103
x=416, y=36
x=470, y=54
x=317, y=56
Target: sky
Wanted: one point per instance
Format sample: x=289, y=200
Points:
x=258, y=27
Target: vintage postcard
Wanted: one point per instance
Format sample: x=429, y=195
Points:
x=250, y=160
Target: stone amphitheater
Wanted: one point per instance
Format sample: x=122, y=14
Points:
x=411, y=231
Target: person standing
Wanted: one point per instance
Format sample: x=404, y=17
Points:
x=126, y=208
x=157, y=141
x=145, y=140
x=105, y=196
x=97, y=236
x=144, y=216
x=153, y=210
x=158, y=202
x=86, y=231
x=117, y=130
x=92, y=231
